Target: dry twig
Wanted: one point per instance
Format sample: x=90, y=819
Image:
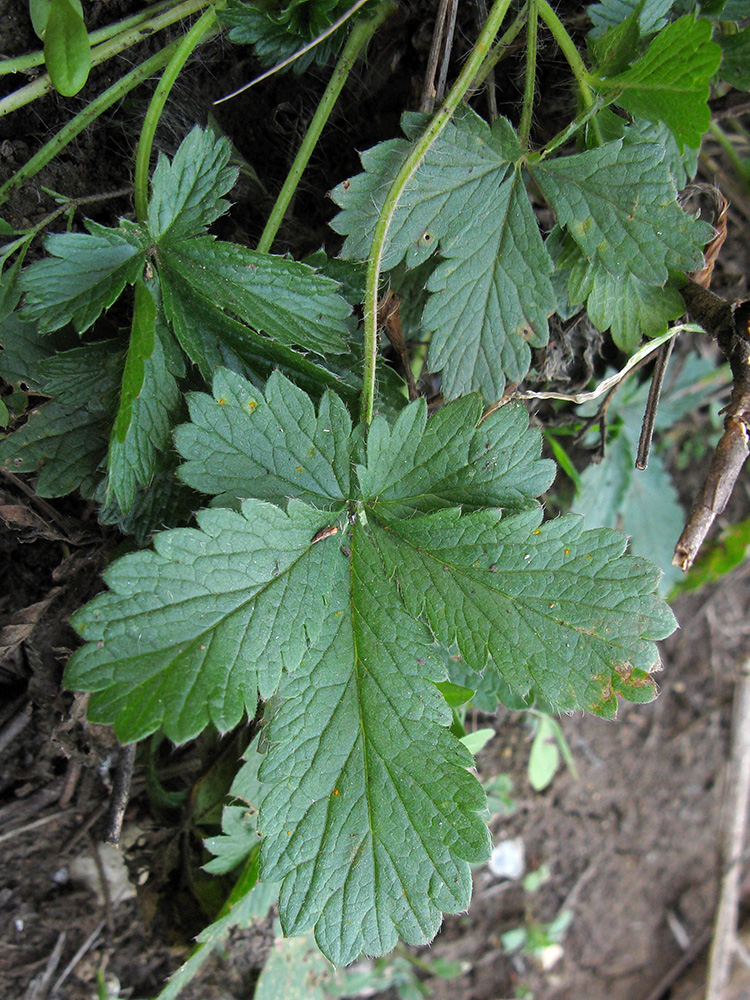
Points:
x=730, y=326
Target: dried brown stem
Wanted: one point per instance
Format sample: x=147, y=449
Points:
x=728, y=324
x=652, y=404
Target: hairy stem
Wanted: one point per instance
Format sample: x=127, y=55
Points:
x=500, y=49
x=410, y=166
x=205, y=25
x=527, y=109
x=361, y=33
x=89, y=114
x=30, y=60
x=112, y=47
x=572, y=57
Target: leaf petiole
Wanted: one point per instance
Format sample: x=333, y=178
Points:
x=408, y=169
x=205, y=25
x=361, y=33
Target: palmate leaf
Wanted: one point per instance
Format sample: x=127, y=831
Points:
x=670, y=82
x=370, y=818
x=491, y=294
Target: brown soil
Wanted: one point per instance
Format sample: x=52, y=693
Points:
x=632, y=844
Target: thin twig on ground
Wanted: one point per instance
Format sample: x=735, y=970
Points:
x=724, y=944
x=39, y=986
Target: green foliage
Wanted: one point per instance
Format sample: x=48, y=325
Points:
x=196, y=300
x=735, y=58
x=277, y=30
x=312, y=592
x=356, y=585
x=669, y=83
x=67, y=50
x=490, y=297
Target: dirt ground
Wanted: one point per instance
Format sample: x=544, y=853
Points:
x=631, y=843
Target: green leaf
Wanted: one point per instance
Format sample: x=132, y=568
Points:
x=66, y=440
x=239, y=836
x=390, y=805
x=67, y=50
x=164, y=501
x=241, y=443
x=23, y=349
x=623, y=304
x=280, y=30
x=294, y=970
x=653, y=14
x=84, y=276
x=614, y=50
x=670, y=82
x=282, y=298
x=205, y=605
x=454, y=694
x=544, y=758
x=477, y=740
x=368, y=797
x=212, y=340
x=735, y=59
x=67, y=446
x=502, y=591
x=619, y=205
x=457, y=180
x=491, y=297
x=453, y=460
x=186, y=193
x=149, y=402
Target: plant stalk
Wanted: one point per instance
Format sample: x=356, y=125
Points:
x=572, y=57
x=361, y=33
x=524, y=130
x=112, y=47
x=30, y=60
x=410, y=166
x=205, y=24
x=500, y=49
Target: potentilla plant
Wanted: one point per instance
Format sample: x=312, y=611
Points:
x=346, y=538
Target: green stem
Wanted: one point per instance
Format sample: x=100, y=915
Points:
x=572, y=57
x=33, y=59
x=112, y=47
x=524, y=130
x=361, y=33
x=743, y=173
x=500, y=49
x=410, y=166
x=89, y=114
x=205, y=24
x=570, y=130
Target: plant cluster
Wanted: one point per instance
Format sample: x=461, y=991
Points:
x=347, y=542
